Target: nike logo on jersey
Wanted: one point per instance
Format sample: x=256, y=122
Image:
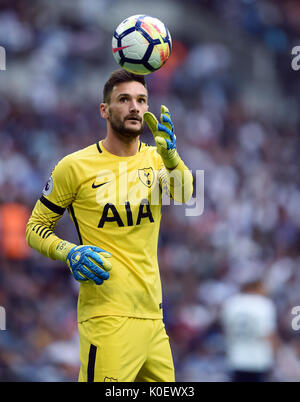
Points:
x=99, y=185
x=117, y=49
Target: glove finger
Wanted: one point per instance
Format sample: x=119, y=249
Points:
x=79, y=277
x=106, y=264
x=164, y=110
x=151, y=121
x=100, y=250
x=167, y=119
x=97, y=276
x=100, y=260
x=105, y=254
x=85, y=270
x=92, y=263
x=165, y=129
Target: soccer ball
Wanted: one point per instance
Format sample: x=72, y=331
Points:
x=141, y=44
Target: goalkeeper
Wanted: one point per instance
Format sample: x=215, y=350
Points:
x=120, y=312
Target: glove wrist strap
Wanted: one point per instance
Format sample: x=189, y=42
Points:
x=62, y=250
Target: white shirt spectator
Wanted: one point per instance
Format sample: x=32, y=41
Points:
x=249, y=319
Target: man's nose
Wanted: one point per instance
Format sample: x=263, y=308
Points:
x=134, y=108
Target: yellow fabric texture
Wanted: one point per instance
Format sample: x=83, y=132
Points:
x=124, y=349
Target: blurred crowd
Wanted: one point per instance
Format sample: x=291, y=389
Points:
x=57, y=62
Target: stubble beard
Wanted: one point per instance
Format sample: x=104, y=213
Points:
x=121, y=130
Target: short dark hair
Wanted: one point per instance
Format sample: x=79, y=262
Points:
x=117, y=77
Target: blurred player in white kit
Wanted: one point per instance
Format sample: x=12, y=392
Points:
x=249, y=324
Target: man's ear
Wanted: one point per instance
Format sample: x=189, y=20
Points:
x=104, y=110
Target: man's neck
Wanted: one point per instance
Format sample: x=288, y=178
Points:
x=121, y=147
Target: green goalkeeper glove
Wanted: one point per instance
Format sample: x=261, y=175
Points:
x=164, y=136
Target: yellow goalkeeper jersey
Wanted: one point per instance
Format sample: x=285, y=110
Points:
x=115, y=204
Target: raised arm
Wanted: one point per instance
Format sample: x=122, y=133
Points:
x=175, y=177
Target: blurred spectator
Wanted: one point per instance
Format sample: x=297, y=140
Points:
x=250, y=326
x=13, y=218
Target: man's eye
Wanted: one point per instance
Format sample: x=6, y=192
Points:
x=142, y=100
x=123, y=99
